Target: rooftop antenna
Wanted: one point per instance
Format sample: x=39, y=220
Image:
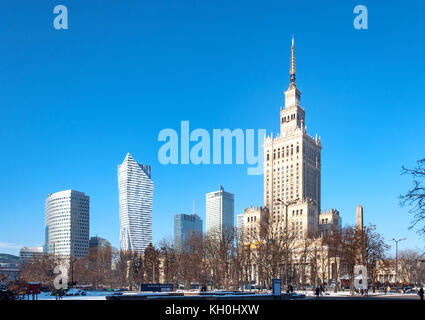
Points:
x=292, y=72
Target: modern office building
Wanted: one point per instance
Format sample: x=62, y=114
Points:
x=67, y=223
x=135, y=202
x=98, y=242
x=186, y=225
x=292, y=166
x=219, y=211
x=28, y=253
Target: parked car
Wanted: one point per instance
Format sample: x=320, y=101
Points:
x=407, y=290
x=75, y=292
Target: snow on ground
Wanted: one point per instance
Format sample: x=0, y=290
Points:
x=101, y=295
x=91, y=295
x=347, y=294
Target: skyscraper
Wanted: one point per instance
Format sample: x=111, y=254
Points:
x=186, y=225
x=67, y=223
x=219, y=211
x=292, y=168
x=135, y=200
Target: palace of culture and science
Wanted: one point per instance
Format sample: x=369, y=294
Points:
x=292, y=174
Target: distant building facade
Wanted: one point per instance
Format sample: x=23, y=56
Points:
x=408, y=271
x=186, y=225
x=98, y=242
x=67, y=223
x=10, y=266
x=135, y=204
x=27, y=254
x=240, y=227
x=329, y=221
x=254, y=218
x=219, y=211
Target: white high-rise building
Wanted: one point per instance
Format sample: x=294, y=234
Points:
x=219, y=211
x=67, y=223
x=240, y=227
x=135, y=199
x=292, y=167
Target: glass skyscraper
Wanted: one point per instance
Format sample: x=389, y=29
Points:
x=186, y=225
x=135, y=188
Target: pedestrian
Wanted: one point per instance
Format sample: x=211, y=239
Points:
x=421, y=293
x=317, y=292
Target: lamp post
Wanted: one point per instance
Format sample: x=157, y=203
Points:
x=396, y=257
x=72, y=261
x=286, y=204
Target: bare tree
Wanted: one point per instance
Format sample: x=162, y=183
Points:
x=275, y=246
x=169, y=259
x=415, y=197
x=375, y=250
x=411, y=267
x=333, y=241
x=128, y=269
x=39, y=269
x=220, y=250
x=350, y=252
x=304, y=254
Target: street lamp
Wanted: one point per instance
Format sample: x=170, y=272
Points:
x=286, y=204
x=396, y=257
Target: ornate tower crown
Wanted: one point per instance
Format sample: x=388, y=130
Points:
x=292, y=116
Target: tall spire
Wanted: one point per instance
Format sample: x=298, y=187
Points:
x=293, y=64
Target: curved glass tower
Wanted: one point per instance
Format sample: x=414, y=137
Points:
x=135, y=199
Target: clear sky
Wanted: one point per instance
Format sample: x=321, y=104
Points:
x=74, y=102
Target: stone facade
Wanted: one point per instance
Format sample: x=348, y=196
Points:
x=253, y=219
x=329, y=221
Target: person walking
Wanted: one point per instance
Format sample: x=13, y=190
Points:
x=421, y=293
x=317, y=292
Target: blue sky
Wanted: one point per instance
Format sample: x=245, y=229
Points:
x=74, y=102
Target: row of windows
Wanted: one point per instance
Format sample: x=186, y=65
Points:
x=252, y=219
x=279, y=152
x=288, y=118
